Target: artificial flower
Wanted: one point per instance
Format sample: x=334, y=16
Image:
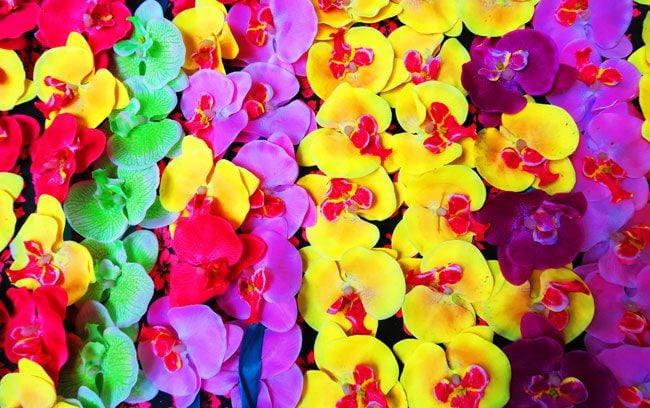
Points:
x=29, y=387
x=333, y=14
x=630, y=365
x=16, y=131
x=16, y=18
x=43, y=258
x=434, y=17
x=11, y=185
x=15, y=88
x=494, y=19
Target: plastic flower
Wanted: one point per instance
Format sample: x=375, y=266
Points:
x=349, y=144
x=142, y=135
x=353, y=371
x=342, y=205
x=29, y=387
x=155, y=49
x=531, y=148
x=16, y=19
x=211, y=256
x=103, y=208
x=101, y=22
x=537, y=232
x=543, y=375
x=206, y=35
x=423, y=57
x=432, y=115
x=630, y=366
x=469, y=372
x=363, y=287
x=360, y=56
x=494, y=19
x=64, y=149
x=559, y=295
x=221, y=188
x=35, y=329
x=11, y=185
x=277, y=31
x=428, y=17
x=16, y=131
x=15, y=88
x=77, y=88
x=440, y=208
x=502, y=70
x=212, y=106
x=277, y=197
x=451, y=276
x=43, y=258
x=333, y=14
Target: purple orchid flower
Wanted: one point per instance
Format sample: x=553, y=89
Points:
x=268, y=107
x=277, y=31
x=265, y=293
x=593, y=85
x=542, y=375
x=212, y=106
x=281, y=380
x=277, y=197
x=502, y=70
x=533, y=230
x=180, y=346
x=631, y=367
x=601, y=22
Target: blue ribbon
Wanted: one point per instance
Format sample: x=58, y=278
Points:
x=250, y=365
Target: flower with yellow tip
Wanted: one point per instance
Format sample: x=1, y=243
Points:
x=493, y=18
x=76, y=88
x=428, y=16
x=220, y=188
x=469, y=372
x=364, y=286
x=10, y=187
x=355, y=371
x=29, y=387
x=349, y=144
x=206, y=35
x=531, y=148
x=15, y=88
x=432, y=115
x=360, y=56
x=343, y=204
x=438, y=304
x=441, y=203
x=42, y=258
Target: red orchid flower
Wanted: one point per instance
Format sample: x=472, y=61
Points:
x=16, y=18
x=16, y=131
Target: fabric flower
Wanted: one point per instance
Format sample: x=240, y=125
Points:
x=333, y=14
x=429, y=17
x=363, y=287
x=29, y=387
x=15, y=88
x=35, y=329
x=531, y=148
x=502, y=70
x=16, y=131
x=11, y=186
x=43, y=258
x=360, y=56
x=543, y=374
x=494, y=19
x=16, y=19
x=64, y=149
x=470, y=371
x=630, y=366
x=101, y=22
x=89, y=94
x=537, y=232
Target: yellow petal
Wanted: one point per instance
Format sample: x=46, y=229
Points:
x=452, y=57
x=493, y=19
x=336, y=156
x=121, y=95
x=431, y=189
x=405, y=38
x=398, y=77
x=319, y=390
x=433, y=16
x=436, y=91
x=567, y=179
x=11, y=184
x=412, y=157
x=639, y=60
x=198, y=24
x=401, y=243
x=227, y=42
x=321, y=287
x=384, y=201
x=306, y=153
x=333, y=17
x=334, y=238
x=29, y=94
x=396, y=397
x=424, y=229
x=75, y=262
x=55, y=62
x=328, y=333
x=30, y=387
x=7, y=219
x=425, y=367
x=38, y=228
x=230, y=193
x=367, y=8
x=410, y=111
x=644, y=95
x=346, y=104
x=316, y=185
x=12, y=82
x=51, y=207
x=390, y=11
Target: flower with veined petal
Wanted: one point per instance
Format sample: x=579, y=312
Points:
x=15, y=88
x=494, y=18
x=11, y=185
x=29, y=387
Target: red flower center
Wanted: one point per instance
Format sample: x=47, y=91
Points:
x=203, y=115
x=421, y=70
x=464, y=391
x=364, y=392
x=635, y=326
x=219, y=274
x=62, y=96
x=165, y=345
x=352, y=308
x=607, y=172
x=589, y=73
x=365, y=137
x=436, y=279
x=459, y=216
x=264, y=204
x=570, y=390
x=39, y=266
x=569, y=11
x=555, y=301
x=524, y=158
x=632, y=242
x=328, y=5
x=206, y=55
x=631, y=397
x=98, y=14
x=443, y=129
x=59, y=166
x=251, y=290
x=344, y=195
x=346, y=60
x=255, y=102
x=260, y=23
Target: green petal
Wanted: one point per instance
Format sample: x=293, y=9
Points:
x=92, y=313
x=89, y=399
x=119, y=366
x=153, y=102
x=158, y=217
x=144, y=145
x=179, y=83
x=142, y=391
x=114, y=251
x=149, y=10
x=140, y=188
x=142, y=247
x=165, y=57
x=129, y=299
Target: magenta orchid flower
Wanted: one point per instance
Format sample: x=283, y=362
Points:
x=630, y=365
x=16, y=131
x=16, y=18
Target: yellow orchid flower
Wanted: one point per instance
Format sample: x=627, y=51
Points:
x=206, y=35
x=194, y=178
x=340, y=13
x=41, y=257
x=430, y=16
x=494, y=18
x=30, y=387
x=15, y=88
x=440, y=204
x=451, y=276
x=342, y=205
x=469, y=371
x=432, y=114
x=349, y=144
x=360, y=56
x=76, y=88
x=559, y=294
x=644, y=101
x=531, y=148
x=11, y=186
x=355, y=371
x=363, y=287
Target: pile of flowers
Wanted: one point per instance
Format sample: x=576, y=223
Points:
x=324, y=203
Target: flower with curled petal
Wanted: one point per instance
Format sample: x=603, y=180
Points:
x=15, y=88
x=429, y=17
x=11, y=185
x=16, y=18
x=333, y=14
x=16, y=131
x=494, y=18
x=630, y=365
x=30, y=386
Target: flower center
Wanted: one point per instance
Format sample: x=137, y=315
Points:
x=62, y=96
x=503, y=64
x=345, y=196
x=442, y=129
x=207, y=55
x=555, y=301
x=260, y=23
x=27, y=342
x=109, y=191
x=39, y=266
x=3, y=133
x=632, y=243
x=463, y=391
x=590, y=73
x=607, y=172
x=59, y=166
x=219, y=274
x=256, y=101
x=329, y=5
x=352, y=308
x=634, y=325
x=264, y=204
x=631, y=397
x=346, y=60
x=421, y=70
x=251, y=290
x=569, y=11
x=459, y=216
x=98, y=15
x=436, y=279
x=364, y=392
x=564, y=392
x=165, y=345
x=202, y=116
x=364, y=136
x=521, y=157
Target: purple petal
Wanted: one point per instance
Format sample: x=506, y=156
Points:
x=283, y=83
x=285, y=388
x=595, y=376
x=624, y=91
x=184, y=381
x=295, y=27
x=603, y=218
x=214, y=83
x=292, y=120
x=263, y=397
x=269, y=162
x=279, y=317
x=243, y=83
x=491, y=96
x=609, y=20
x=157, y=314
x=226, y=380
x=234, y=336
x=629, y=364
x=238, y=18
x=224, y=131
x=609, y=302
x=577, y=100
x=283, y=261
x=506, y=211
x=284, y=142
x=184, y=401
x=513, y=273
x=534, y=325
x=280, y=351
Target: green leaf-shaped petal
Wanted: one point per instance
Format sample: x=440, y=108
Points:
x=142, y=247
x=89, y=399
x=140, y=188
x=119, y=367
x=153, y=102
x=179, y=83
x=158, y=217
x=114, y=251
x=92, y=312
x=144, y=145
x=132, y=331
x=143, y=390
x=149, y=10
x=129, y=298
x=129, y=66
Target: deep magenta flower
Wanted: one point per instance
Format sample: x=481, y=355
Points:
x=502, y=70
x=16, y=131
x=533, y=230
x=630, y=365
x=16, y=18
